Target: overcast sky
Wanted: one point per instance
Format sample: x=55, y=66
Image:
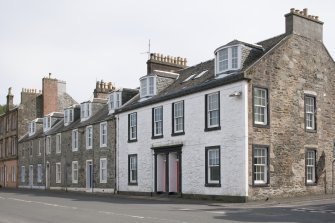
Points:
x=81, y=41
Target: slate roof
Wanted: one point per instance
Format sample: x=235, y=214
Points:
x=180, y=87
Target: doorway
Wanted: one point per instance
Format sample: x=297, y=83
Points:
x=168, y=170
x=89, y=176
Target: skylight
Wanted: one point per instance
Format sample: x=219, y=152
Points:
x=199, y=75
x=189, y=78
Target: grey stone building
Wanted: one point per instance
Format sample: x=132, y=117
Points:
x=74, y=150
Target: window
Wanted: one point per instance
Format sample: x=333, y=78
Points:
x=103, y=134
x=39, y=173
x=86, y=111
x=74, y=172
x=132, y=169
x=157, y=125
x=132, y=127
x=115, y=101
x=260, y=106
x=31, y=149
x=260, y=165
x=39, y=147
x=48, y=145
x=310, y=167
x=213, y=166
x=32, y=128
x=178, y=118
x=13, y=169
x=212, y=103
x=148, y=86
x=103, y=170
x=75, y=140
x=89, y=137
x=68, y=116
x=227, y=59
x=58, y=173
x=46, y=123
x=310, y=117
x=58, y=143
x=23, y=174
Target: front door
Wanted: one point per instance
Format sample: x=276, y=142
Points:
x=168, y=171
x=31, y=175
x=89, y=175
x=47, y=176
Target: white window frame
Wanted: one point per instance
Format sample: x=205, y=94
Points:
x=148, y=86
x=75, y=140
x=48, y=145
x=39, y=173
x=213, y=162
x=310, y=112
x=114, y=101
x=58, y=173
x=158, y=121
x=260, y=109
x=46, y=123
x=85, y=111
x=68, y=116
x=89, y=137
x=39, y=148
x=103, y=134
x=75, y=170
x=310, y=166
x=229, y=59
x=23, y=174
x=212, y=110
x=133, y=126
x=133, y=167
x=59, y=143
x=32, y=128
x=178, y=118
x=260, y=169
x=103, y=170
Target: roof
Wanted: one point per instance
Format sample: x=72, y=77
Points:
x=188, y=84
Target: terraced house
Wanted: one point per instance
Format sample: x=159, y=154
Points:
x=74, y=150
x=14, y=123
x=254, y=122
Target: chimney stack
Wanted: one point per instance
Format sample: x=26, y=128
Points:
x=300, y=23
x=165, y=63
x=10, y=99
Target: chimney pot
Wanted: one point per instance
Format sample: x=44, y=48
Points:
x=305, y=11
x=49, y=75
x=292, y=10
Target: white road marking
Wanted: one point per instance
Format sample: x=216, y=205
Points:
x=216, y=212
x=3, y=198
x=140, y=217
x=43, y=203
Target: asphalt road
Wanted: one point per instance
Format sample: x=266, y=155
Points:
x=51, y=207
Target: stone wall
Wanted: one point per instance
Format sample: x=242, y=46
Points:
x=295, y=67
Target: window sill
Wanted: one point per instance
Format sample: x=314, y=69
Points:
x=311, y=184
x=212, y=185
x=157, y=137
x=132, y=140
x=178, y=133
x=261, y=185
x=311, y=130
x=103, y=146
x=132, y=184
x=267, y=126
x=212, y=129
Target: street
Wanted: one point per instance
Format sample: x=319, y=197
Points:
x=42, y=206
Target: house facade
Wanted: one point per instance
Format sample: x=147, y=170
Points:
x=253, y=123
x=78, y=151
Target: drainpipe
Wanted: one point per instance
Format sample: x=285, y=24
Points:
x=117, y=164
x=333, y=176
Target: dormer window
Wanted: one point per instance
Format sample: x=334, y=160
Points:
x=227, y=59
x=68, y=116
x=148, y=86
x=46, y=123
x=86, y=111
x=32, y=128
x=114, y=101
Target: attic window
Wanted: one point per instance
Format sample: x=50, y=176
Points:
x=46, y=123
x=85, y=111
x=148, y=86
x=68, y=116
x=114, y=101
x=189, y=78
x=200, y=75
x=32, y=128
x=228, y=58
